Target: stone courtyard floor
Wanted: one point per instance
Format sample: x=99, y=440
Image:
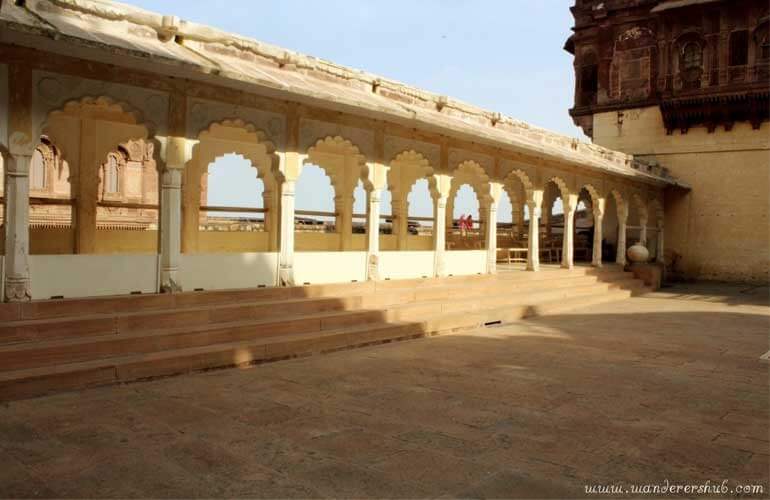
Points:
x=666, y=387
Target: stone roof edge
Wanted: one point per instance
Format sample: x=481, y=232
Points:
x=168, y=26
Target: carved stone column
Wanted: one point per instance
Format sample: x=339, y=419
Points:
x=620, y=257
x=373, y=235
x=533, y=243
x=643, y=230
x=495, y=190
x=170, y=229
x=568, y=238
x=439, y=235
x=286, y=245
x=290, y=168
x=440, y=197
x=659, y=257
x=596, y=257
x=17, y=282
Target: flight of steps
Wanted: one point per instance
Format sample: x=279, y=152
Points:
x=54, y=345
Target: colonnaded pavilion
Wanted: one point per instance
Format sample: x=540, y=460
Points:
x=97, y=91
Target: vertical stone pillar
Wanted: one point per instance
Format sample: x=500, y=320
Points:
x=290, y=169
x=375, y=180
x=440, y=197
x=401, y=221
x=596, y=257
x=495, y=189
x=533, y=243
x=170, y=229
x=620, y=257
x=568, y=238
x=643, y=229
x=17, y=281
x=659, y=256
x=373, y=235
x=286, y=243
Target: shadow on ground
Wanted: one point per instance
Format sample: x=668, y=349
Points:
x=638, y=392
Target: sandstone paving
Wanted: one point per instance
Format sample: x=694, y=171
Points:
x=666, y=386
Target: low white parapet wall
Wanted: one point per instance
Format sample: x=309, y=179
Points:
x=92, y=275
x=329, y=267
x=459, y=262
x=406, y=264
x=219, y=271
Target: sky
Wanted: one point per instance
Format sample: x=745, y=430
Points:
x=502, y=55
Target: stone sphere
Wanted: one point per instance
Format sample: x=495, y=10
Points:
x=638, y=253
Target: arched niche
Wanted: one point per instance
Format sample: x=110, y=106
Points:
x=410, y=184
x=344, y=165
x=85, y=132
x=250, y=146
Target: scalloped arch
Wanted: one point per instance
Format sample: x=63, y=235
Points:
x=80, y=104
x=336, y=145
x=472, y=167
x=217, y=131
x=259, y=136
x=561, y=184
x=522, y=177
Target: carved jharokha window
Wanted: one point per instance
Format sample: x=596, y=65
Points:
x=37, y=170
x=739, y=48
x=589, y=79
x=691, y=64
x=762, y=38
x=111, y=176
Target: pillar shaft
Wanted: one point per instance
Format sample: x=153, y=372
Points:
x=643, y=231
x=17, y=281
x=491, y=235
x=568, y=238
x=373, y=235
x=401, y=222
x=170, y=229
x=286, y=244
x=533, y=243
x=659, y=257
x=620, y=257
x=596, y=257
x=439, y=235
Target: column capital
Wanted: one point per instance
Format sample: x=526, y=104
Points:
x=17, y=165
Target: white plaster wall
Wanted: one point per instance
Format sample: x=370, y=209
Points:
x=92, y=275
x=458, y=262
x=404, y=265
x=329, y=267
x=217, y=271
x=4, y=105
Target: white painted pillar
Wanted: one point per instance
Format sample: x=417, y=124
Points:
x=659, y=257
x=620, y=256
x=495, y=190
x=170, y=229
x=533, y=243
x=491, y=234
x=643, y=230
x=17, y=280
x=596, y=257
x=568, y=238
x=373, y=235
x=439, y=235
x=286, y=244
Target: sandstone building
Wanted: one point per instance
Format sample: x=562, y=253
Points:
x=113, y=116
x=686, y=84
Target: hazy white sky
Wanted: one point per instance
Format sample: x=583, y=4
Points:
x=503, y=55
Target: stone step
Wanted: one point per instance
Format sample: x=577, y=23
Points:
x=118, y=323
x=56, y=377
x=171, y=336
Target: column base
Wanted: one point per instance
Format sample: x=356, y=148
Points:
x=17, y=290
x=373, y=267
x=286, y=276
